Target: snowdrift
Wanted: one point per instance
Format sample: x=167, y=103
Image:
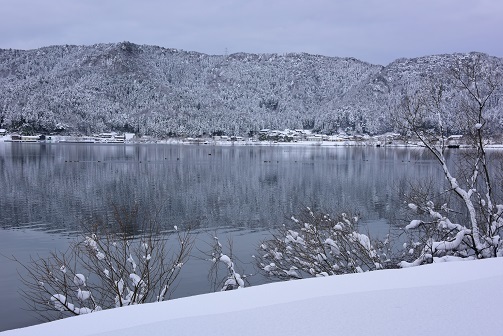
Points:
x=455, y=298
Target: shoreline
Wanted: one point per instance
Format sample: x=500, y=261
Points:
x=211, y=142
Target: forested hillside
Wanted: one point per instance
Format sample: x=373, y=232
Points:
x=168, y=92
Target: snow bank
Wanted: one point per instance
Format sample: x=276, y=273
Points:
x=456, y=298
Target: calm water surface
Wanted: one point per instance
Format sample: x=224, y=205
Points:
x=47, y=190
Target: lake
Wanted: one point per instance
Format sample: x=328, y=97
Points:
x=241, y=192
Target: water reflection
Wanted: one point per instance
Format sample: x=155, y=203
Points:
x=48, y=190
x=200, y=186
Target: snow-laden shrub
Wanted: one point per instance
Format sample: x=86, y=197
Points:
x=438, y=239
x=232, y=279
x=117, y=264
x=314, y=245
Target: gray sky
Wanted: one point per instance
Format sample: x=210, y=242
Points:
x=376, y=31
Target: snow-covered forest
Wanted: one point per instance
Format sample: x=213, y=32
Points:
x=162, y=92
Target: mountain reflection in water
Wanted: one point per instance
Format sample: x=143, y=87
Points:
x=48, y=190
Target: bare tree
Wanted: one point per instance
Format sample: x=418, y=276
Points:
x=470, y=180
x=128, y=261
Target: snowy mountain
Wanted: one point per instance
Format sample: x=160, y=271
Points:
x=168, y=92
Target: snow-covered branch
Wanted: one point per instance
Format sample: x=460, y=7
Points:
x=116, y=264
x=317, y=245
x=471, y=179
x=233, y=279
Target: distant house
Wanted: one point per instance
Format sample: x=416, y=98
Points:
x=316, y=138
x=454, y=141
x=24, y=138
x=109, y=135
x=3, y=131
x=456, y=137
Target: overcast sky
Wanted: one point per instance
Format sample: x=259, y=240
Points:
x=376, y=31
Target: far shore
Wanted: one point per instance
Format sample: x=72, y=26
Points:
x=370, y=142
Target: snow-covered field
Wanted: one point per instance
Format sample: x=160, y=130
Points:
x=456, y=298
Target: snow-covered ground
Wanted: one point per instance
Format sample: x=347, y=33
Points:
x=456, y=298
